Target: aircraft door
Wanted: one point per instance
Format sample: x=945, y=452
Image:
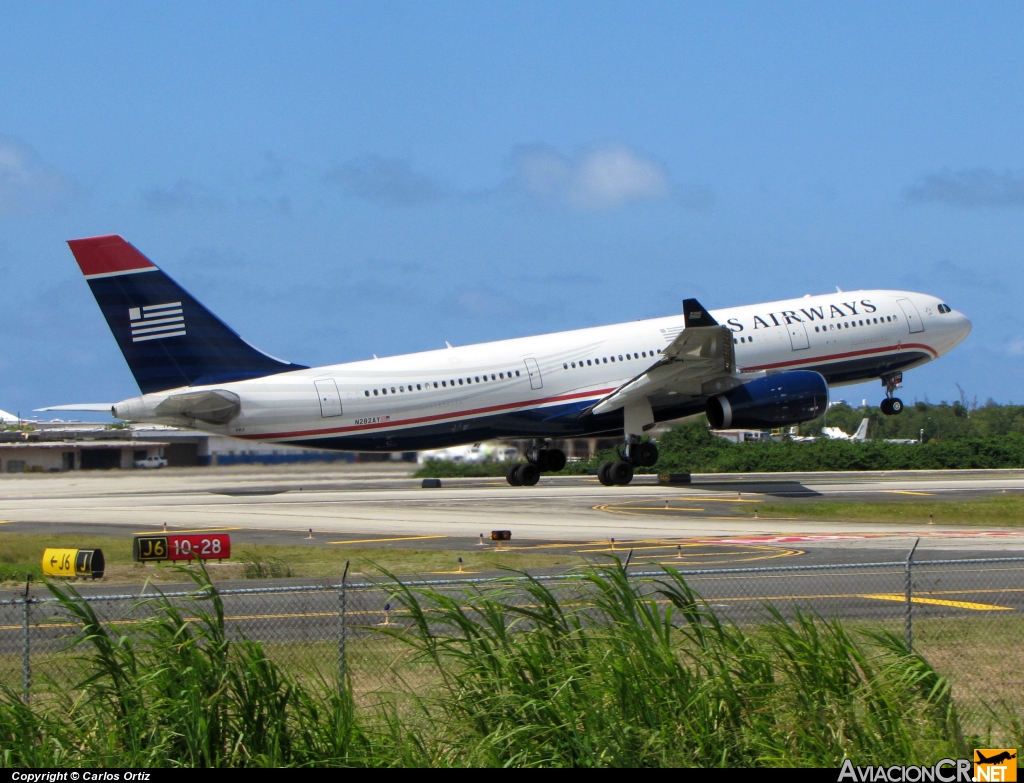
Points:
x=913, y=317
x=533, y=369
x=330, y=400
x=798, y=336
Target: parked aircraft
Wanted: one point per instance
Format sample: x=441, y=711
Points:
x=758, y=366
x=834, y=433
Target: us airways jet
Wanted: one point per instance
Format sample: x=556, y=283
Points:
x=758, y=366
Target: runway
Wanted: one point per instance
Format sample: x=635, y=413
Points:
x=385, y=506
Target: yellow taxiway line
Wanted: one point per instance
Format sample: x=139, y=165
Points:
x=382, y=540
x=188, y=532
x=939, y=602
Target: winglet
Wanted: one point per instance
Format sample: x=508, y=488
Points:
x=694, y=314
x=107, y=256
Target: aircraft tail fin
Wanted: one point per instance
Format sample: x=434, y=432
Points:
x=862, y=431
x=167, y=337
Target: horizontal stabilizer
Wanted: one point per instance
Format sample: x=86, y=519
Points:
x=84, y=407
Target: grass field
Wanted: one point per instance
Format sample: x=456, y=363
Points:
x=21, y=554
x=999, y=511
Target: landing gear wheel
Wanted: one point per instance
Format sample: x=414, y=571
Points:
x=620, y=473
x=891, y=406
x=528, y=474
x=644, y=454
x=512, y=476
x=602, y=474
x=555, y=460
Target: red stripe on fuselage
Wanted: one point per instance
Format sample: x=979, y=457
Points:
x=437, y=417
x=848, y=354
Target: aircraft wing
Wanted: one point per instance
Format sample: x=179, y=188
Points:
x=700, y=354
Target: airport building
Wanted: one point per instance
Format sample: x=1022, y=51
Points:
x=57, y=446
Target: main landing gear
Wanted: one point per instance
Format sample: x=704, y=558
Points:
x=892, y=405
x=633, y=455
x=538, y=460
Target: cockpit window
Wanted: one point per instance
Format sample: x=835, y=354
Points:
x=945, y=308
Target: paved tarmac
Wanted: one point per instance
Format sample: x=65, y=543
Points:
x=384, y=506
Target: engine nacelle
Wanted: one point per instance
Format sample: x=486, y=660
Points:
x=773, y=401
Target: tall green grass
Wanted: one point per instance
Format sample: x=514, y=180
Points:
x=648, y=675
x=615, y=673
x=175, y=691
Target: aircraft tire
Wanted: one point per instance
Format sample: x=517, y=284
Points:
x=512, y=476
x=528, y=474
x=886, y=406
x=620, y=473
x=602, y=474
x=895, y=406
x=646, y=454
x=555, y=460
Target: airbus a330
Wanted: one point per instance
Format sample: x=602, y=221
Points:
x=757, y=366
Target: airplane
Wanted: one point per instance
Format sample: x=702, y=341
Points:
x=834, y=433
x=759, y=366
x=470, y=453
x=1005, y=755
x=8, y=418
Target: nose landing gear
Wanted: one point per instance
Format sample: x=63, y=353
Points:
x=892, y=405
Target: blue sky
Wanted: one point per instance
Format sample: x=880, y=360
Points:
x=337, y=180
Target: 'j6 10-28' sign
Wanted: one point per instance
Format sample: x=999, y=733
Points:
x=182, y=546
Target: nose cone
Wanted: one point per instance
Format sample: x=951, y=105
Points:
x=960, y=327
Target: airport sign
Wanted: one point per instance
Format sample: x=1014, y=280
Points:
x=181, y=546
x=70, y=563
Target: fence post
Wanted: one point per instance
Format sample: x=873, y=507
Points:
x=342, y=611
x=26, y=662
x=908, y=622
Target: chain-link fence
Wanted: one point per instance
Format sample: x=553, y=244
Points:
x=965, y=616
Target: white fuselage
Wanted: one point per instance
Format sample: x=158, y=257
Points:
x=544, y=386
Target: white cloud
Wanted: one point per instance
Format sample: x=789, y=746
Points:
x=28, y=183
x=1016, y=346
x=599, y=179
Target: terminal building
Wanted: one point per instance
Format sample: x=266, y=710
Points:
x=54, y=446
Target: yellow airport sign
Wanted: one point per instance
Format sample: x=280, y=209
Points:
x=73, y=562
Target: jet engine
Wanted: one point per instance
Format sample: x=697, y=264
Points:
x=773, y=401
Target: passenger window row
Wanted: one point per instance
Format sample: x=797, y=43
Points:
x=605, y=359
x=444, y=384
x=744, y=339
x=852, y=324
